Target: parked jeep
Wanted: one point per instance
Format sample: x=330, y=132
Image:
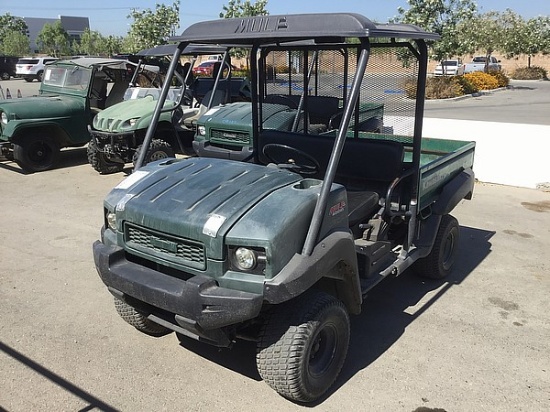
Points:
x=283, y=248
x=117, y=132
x=34, y=129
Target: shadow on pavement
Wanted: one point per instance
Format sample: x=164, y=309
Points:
x=383, y=320
x=384, y=317
x=93, y=402
x=67, y=158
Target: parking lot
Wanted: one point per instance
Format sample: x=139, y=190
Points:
x=477, y=341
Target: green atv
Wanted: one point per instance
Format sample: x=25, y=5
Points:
x=118, y=132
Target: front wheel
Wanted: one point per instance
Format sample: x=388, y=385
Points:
x=139, y=321
x=5, y=76
x=157, y=150
x=100, y=162
x=439, y=263
x=36, y=153
x=303, y=345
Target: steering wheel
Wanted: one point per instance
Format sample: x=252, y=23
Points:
x=281, y=99
x=290, y=158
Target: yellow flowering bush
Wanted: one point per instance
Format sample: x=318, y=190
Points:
x=482, y=80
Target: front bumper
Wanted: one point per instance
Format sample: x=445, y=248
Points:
x=205, y=149
x=197, y=306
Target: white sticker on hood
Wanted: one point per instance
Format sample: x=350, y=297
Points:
x=212, y=225
x=212, y=111
x=122, y=202
x=132, y=179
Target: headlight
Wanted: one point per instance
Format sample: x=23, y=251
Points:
x=4, y=118
x=129, y=123
x=111, y=220
x=201, y=130
x=245, y=259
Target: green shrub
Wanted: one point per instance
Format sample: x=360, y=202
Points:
x=501, y=78
x=241, y=73
x=466, y=85
x=530, y=73
x=441, y=87
x=482, y=80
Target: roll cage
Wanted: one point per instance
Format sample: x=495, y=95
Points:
x=322, y=31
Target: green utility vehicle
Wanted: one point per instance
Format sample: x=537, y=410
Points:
x=281, y=249
x=34, y=129
x=118, y=132
x=317, y=91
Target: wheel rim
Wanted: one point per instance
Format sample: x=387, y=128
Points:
x=448, y=255
x=40, y=153
x=158, y=155
x=323, y=351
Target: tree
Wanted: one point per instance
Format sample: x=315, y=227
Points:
x=90, y=43
x=112, y=45
x=13, y=36
x=151, y=29
x=236, y=8
x=483, y=32
x=15, y=44
x=443, y=17
x=53, y=40
x=529, y=37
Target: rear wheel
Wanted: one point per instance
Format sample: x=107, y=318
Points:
x=439, y=263
x=157, y=150
x=138, y=320
x=5, y=76
x=100, y=162
x=36, y=153
x=303, y=345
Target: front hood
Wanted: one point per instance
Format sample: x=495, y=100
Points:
x=238, y=116
x=110, y=119
x=197, y=198
x=41, y=107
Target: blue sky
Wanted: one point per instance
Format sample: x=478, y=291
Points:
x=109, y=16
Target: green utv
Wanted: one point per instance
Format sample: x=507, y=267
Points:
x=290, y=91
x=117, y=132
x=283, y=248
x=34, y=129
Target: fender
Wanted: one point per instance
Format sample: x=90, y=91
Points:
x=460, y=187
x=16, y=129
x=335, y=258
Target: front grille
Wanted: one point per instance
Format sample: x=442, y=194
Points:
x=180, y=251
x=224, y=136
x=106, y=124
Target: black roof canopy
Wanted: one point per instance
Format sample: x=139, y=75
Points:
x=169, y=49
x=323, y=27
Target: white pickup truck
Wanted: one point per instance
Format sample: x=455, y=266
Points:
x=479, y=62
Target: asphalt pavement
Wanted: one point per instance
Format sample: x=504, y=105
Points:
x=477, y=341
x=523, y=102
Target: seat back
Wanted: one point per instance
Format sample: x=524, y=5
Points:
x=217, y=99
x=116, y=95
x=365, y=164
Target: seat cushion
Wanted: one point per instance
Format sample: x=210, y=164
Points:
x=361, y=205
